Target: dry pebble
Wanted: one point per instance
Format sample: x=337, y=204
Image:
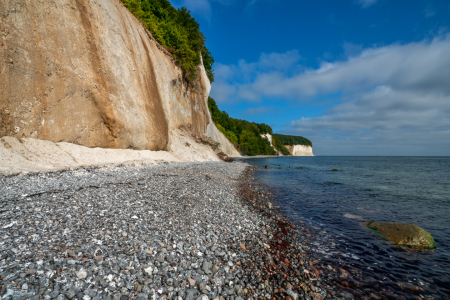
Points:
x=171, y=231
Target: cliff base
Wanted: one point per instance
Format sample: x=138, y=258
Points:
x=28, y=155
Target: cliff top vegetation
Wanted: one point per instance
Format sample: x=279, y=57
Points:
x=177, y=31
x=246, y=136
x=292, y=140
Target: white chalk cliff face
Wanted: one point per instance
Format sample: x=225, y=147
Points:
x=89, y=73
x=300, y=150
x=268, y=136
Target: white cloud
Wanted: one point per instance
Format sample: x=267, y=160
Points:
x=392, y=100
x=233, y=82
x=422, y=66
x=367, y=3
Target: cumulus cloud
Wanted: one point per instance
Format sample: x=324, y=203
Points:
x=391, y=97
x=382, y=122
x=422, y=66
x=237, y=82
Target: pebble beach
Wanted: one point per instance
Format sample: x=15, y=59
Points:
x=169, y=231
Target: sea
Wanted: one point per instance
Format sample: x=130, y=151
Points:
x=331, y=207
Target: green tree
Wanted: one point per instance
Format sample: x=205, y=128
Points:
x=177, y=31
x=246, y=136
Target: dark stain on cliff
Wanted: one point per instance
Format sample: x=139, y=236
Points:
x=155, y=111
x=100, y=97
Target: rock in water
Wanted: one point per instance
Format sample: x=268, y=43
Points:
x=404, y=234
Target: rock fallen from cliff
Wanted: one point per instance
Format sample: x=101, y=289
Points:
x=225, y=157
x=404, y=234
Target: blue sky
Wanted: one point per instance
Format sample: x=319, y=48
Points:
x=356, y=77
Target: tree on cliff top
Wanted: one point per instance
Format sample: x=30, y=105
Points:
x=292, y=140
x=246, y=136
x=177, y=31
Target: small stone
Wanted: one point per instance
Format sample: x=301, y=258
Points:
x=148, y=271
x=70, y=294
x=243, y=247
x=31, y=271
x=61, y=297
x=316, y=296
x=124, y=233
x=82, y=274
x=192, y=282
x=98, y=258
x=54, y=294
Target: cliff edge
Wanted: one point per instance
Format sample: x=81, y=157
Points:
x=89, y=73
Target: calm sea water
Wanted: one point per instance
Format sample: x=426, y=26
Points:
x=333, y=206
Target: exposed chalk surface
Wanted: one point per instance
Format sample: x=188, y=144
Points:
x=32, y=155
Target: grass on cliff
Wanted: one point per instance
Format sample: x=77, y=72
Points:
x=246, y=136
x=177, y=31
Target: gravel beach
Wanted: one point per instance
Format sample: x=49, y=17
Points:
x=170, y=231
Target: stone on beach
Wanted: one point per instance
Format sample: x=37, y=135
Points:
x=82, y=274
x=404, y=234
x=193, y=236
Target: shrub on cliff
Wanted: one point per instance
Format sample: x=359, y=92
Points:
x=280, y=147
x=246, y=136
x=292, y=140
x=177, y=31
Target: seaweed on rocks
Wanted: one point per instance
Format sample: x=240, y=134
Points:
x=281, y=263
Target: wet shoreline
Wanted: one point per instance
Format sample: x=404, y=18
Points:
x=177, y=231
x=329, y=209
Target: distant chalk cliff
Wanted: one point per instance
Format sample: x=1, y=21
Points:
x=300, y=150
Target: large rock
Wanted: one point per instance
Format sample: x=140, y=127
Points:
x=89, y=73
x=404, y=234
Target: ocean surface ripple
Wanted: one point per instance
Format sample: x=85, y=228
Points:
x=333, y=207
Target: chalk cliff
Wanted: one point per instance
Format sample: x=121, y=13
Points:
x=268, y=136
x=89, y=73
x=300, y=150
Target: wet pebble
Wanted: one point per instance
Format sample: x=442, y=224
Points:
x=169, y=231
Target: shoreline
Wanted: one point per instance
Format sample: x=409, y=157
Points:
x=181, y=230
